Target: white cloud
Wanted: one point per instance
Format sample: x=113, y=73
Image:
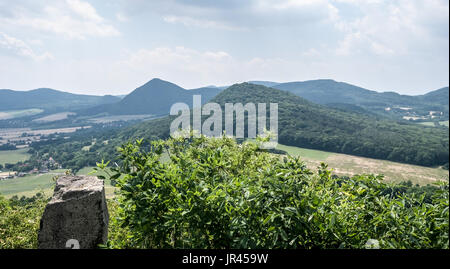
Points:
x=121, y=17
x=379, y=44
x=312, y=52
x=289, y=4
x=236, y=15
x=393, y=27
x=73, y=19
x=194, y=68
x=378, y=27
x=20, y=48
x=189, y=21
x=85, y=10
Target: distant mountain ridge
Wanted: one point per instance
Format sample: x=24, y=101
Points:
x=50, y=100
x=325, y=91
x=333, y=93
x=157, y=96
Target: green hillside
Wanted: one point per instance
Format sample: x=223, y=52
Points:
x=440, y=96
x=308, y=125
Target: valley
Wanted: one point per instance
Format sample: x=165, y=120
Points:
x=342, y=133
x=23, y=137
x=357, y=141
x=340, y=164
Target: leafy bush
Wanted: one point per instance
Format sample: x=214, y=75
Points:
x=19, y=221
x=215, y=193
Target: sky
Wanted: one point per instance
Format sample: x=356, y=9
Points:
x=114, y=46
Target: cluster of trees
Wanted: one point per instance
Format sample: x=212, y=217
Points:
x=7, y=147
x=216, y=193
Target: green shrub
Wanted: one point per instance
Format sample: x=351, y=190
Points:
x=215, y=193
x=19, y=221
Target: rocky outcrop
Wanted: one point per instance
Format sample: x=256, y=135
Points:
x=76, y=216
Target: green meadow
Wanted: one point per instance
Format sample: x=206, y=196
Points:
x=305, y=153
x=28, y=185
x=13, y=156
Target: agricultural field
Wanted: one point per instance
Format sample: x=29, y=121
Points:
x=348, y=165
x=108, y=119
x=13, y=156
x=5, y=115
x=54, y=117
x=27, y=135
x=305, y=153
x=28, y=185
x=32, y=184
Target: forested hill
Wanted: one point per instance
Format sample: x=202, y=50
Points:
x=324, y=91
x=50, y=100
x=304, y=124
x=440, y=96
x=155, y=97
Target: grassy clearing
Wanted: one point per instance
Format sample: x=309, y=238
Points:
x=348, y=165
x=13, y=156
x=87, y=148
x=427, y=123
x=445, y=123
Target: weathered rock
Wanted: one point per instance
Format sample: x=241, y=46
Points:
x=77, y=213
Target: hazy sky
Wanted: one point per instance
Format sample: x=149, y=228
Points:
x=114, y=46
